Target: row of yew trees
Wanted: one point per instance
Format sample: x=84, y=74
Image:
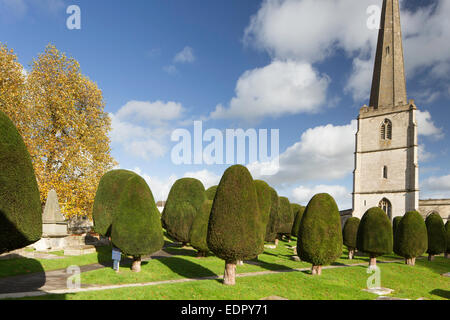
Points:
x=233, y=220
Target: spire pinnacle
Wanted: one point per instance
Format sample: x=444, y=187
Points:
x=389, y=84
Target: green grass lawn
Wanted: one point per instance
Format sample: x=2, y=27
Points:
x=14, y=267
x=423, y=280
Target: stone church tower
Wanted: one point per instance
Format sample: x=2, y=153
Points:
x=386, y=159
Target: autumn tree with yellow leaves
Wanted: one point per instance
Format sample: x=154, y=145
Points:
x=60, y=114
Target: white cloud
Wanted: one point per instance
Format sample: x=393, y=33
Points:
x=150, y=112
x=311, y=31
x=341, y=195
x=171, y=69
x=424, y=155
x=437, y=187
x=359, y=83
x=185, y=56
x=208, y=178
x=426, y=33
x=160, y=187
x=323, y=153
x=426, y=126
x=143, y=128
x=283, y=87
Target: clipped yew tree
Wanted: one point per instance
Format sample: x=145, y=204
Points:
x=410, y=238
x=447, y=232
x=107, y=199
x=395, y=223
x=136, y=225
x=199, y=229
x=298, y=211
x=263, y=193
x=320, y=233
x=235, y=231
x=349, y=235
x=211, y=192
x=274, y=220
x=20, y=204
x=374, y=236
x=286, y=217
x=185, y=200
x=437, y=242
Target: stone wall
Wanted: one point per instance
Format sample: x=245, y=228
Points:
x=441, y=206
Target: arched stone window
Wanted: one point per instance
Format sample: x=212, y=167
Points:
x=386, y=130
x=385, y=204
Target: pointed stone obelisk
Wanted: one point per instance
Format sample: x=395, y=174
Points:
x=53, y=222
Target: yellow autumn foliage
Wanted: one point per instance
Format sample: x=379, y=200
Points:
x=60, y=114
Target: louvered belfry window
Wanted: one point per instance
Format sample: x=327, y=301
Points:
x=386, y=130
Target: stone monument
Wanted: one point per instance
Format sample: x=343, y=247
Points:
x=53, y=222
x=54, y=226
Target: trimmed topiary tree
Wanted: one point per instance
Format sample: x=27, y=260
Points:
x=298, y=211
x=447, y=232
x=107, y=199
x=235, y=230
x=199, y=229
x=136, y=227
x=395, y=223
x=411, y=239
x=437, y=242
x=274, y=219
x=20, y=204
x=320, y=233
x=264, y=202
x=211, y=192
x=375, y=234
x=185, y=200
x=286, y=217
x=349, y=235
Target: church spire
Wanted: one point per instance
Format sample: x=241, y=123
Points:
x=388, y=84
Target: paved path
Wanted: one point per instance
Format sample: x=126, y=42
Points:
x=59, y=287
x=56, y=279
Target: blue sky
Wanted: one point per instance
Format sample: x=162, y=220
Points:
x=301, y=66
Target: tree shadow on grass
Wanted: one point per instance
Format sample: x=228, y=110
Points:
x=441, y=293
x=31, y=274
x=268, y=265
x=186, y=268
x=439, y=265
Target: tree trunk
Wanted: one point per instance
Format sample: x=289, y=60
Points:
x=136, y=266
x=229, y=277
x=201, y=254
x=430, y=257
x=351, y=254
x=276, y=242
x=295, y=250
x=289, y=238
x=183, y=244
x=240, y=263
x=411, y=261
x=316, y=270
x=372, y=262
